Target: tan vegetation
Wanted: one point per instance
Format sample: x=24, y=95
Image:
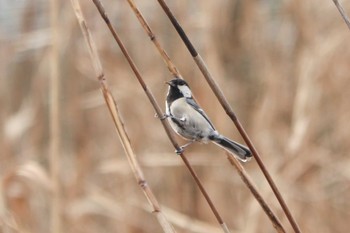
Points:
x=282, y=66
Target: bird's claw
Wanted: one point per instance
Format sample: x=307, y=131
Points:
x=179, y=151
x=163, y=117
x=182, y=148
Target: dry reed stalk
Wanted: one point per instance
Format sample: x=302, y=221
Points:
x=229, y=111
x=54, y=116
x=342, y=12
x=113, y=109
x=172, y=68
x=221, y=97
x=158, y=109
x=248, y=182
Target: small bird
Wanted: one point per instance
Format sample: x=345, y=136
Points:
x=189, y=121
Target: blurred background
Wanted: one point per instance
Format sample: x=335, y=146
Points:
x=283, y=66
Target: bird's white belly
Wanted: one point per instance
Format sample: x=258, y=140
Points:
x=189, y=123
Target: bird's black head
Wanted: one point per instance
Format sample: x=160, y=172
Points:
x=178, y=88
x=177, y=82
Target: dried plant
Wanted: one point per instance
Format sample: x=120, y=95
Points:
x=281, y=65
x=229, y=111
x=160, y=113
x=55, y=126
x=342, y=12
x=119, y=125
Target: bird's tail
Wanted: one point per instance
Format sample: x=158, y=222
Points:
x=241, y=152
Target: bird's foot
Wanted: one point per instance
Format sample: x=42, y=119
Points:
x=182, y=148
x=179, y=151
x=163, y=117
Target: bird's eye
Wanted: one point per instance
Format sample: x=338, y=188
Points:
x=181, y=83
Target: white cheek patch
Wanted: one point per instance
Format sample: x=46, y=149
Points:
x=167, y=111
x=185, y=91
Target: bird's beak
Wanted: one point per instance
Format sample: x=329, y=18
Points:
x=169, y=83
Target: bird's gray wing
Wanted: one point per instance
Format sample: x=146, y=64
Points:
x=194, y=105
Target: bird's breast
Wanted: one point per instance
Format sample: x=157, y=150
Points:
x=188, y=122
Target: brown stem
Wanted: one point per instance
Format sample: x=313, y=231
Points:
x=119, y=125
x=157, y=108
x=219, y=94
x=342, y=12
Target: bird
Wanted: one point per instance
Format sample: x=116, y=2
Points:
x=188, y=120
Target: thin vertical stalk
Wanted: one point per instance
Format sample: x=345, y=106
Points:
x=159, y=112
x=54, y=118
x=342, y=12
x=249, y=183
x=149, y=32
x=172, y=68
x=229, y=111
x=119, y=125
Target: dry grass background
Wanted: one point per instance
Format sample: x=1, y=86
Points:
x=283, y=66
